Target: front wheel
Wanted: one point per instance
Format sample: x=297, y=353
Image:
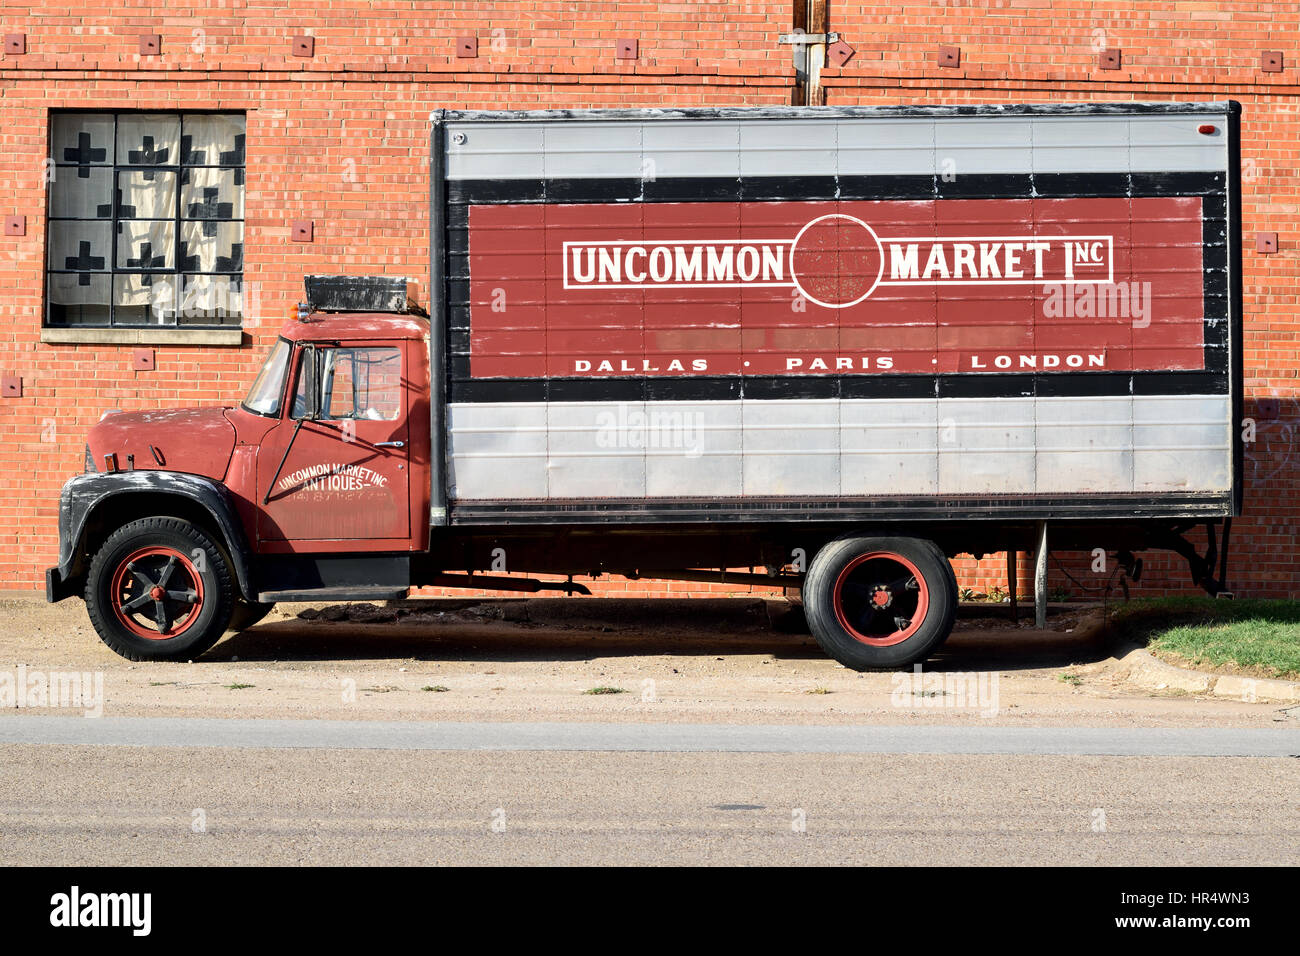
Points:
x=160, y=589
x=880, y=602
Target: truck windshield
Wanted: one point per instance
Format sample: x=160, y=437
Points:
x=268, y=388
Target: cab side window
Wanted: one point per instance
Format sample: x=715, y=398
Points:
x=361, y=383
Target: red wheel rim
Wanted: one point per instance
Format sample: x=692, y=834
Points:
x=880, y=598
x=156, y=593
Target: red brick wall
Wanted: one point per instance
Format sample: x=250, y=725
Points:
x=341, y=139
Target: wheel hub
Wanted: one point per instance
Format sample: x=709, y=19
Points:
x=881, y=598
x=157, y=593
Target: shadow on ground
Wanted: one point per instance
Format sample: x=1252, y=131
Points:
x=569, y=629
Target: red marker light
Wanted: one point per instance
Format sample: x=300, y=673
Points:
x=1207, y=128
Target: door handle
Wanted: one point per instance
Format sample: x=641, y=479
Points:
x=390, y=444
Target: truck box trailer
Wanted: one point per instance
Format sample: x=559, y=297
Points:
x=835, y=346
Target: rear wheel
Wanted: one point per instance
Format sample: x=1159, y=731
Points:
x=880, y=602
x=160, y=589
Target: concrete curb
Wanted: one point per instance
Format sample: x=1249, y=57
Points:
x=1143, y=669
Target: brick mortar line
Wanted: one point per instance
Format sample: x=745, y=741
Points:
x=1046, y=85
x=876, y=82
x=489, y=75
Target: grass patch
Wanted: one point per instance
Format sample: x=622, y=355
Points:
x=436, y=688
x=605, y=690
x=238, y=686
x=818, y=690
x=1255, y=637
x=1074, y=680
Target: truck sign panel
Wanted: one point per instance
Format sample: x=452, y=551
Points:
x=883, y=287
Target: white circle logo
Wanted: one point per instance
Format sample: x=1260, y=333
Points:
x=836, y=261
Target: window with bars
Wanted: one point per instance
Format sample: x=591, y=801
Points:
x=146, y=220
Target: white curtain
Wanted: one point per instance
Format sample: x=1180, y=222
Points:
x=174, y=157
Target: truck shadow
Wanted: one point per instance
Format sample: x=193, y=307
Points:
x=567, y=629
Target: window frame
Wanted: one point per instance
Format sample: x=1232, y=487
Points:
x=325, y=413
x=318, y=356
x=278, y=413
x=178, y=275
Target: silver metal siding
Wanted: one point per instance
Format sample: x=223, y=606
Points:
x=813, y=147
x=843, y=447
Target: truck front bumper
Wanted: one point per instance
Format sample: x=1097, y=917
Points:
x=62, y=581
x=56, y=585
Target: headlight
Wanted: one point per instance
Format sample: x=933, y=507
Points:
x=90, y=461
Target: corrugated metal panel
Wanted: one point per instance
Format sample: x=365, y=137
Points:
x=984, y=146
x=498, y=451
x=609, y=149
x=840, y=447
x=1083, y=443
x=496, y=151
x=1063, y=145
x=693, y=449
x=1172, y=144
x=986, y=446
x=788, y=149
x=1181, y=443
x=686, y=148
x=588, y=454
x=791, y=447
x=887, y=147
x=889, y=450
x=594, y=150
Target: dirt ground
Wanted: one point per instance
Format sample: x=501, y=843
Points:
x=718, y=660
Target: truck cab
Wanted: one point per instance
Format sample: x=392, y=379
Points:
x=325, y=457
x=189, y=521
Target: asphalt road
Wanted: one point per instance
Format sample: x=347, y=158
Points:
x=645, y=737
x=752, y=748
x=211, y=802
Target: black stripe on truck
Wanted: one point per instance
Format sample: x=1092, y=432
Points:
x=883, y=508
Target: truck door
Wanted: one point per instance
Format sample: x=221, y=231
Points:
x=345, y=475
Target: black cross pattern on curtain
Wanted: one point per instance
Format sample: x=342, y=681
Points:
x=84, y=155
x=148, y=155
x=83, y=260
x=147, y=260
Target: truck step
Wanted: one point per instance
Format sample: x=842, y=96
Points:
x=335, y=594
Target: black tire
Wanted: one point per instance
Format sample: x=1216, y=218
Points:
x=198, y=592
x=862, y=596
x=248, y=613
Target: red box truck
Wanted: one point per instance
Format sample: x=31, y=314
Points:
x=833, y=345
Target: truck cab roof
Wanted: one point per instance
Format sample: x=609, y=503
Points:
x=355, y=326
